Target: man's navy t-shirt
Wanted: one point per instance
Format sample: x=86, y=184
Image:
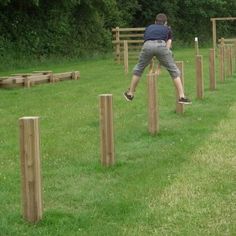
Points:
x=157, y=32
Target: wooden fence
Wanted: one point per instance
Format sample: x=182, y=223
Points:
x=37, y=77
x=132, y=37
x=227, y=54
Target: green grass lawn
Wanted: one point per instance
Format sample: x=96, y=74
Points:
x=179, y=182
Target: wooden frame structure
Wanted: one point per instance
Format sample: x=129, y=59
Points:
x=132, y=38
x=214, y=20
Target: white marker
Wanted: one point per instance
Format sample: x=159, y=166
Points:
x=196, y=39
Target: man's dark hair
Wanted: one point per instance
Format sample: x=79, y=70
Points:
x=161, y=19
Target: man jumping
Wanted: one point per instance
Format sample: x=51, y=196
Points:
x=157, y=42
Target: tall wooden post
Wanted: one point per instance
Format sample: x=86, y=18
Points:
x=214, y=32
x=106, y=130
x=199, y=77
x=153, y=111
x=126, y=57
x=180, y=107
x=118, y=44
x=30, y=169
x=212, y=69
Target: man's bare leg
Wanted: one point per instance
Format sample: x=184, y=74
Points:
x=179, y=87
x=180, y=90
x=133, y=84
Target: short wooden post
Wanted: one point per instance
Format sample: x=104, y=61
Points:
x=27, y=81
x=51, y=77
x=106, y=130
x=153, y=111
x=212, y=69
x=30, y=169
x=196, y=46
x=75, y=75
x=180, y=107
x=126, y=57
x=199, y=77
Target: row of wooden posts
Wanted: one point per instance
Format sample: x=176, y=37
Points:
x=31, y=180
x=30, y=138
x=226, y=61
x=30, y=146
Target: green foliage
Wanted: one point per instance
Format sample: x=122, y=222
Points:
x=188, y=18
x=74, y=28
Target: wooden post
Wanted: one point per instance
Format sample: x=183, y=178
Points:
x=106, y=130
x=118, y=44
x=227, y=61
x=180, y=107
x=126, y=57
x=196, y=46
x=51, y=77
x=214, y=32
x=75, y=75
x=235, y=56
x=153, y=111
x=30, y=169
x=221, y=63
x=27, y=82
x=199, y=77
x=230, y=61
x=212, y=69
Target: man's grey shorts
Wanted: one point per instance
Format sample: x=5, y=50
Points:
x=156, y=48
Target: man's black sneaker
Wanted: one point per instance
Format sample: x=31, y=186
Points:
x=184, y=101
x=128, y=97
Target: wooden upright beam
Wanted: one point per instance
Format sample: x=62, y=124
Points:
x=235, y=56
x=199, y=77
x=214, y=33
x=222, y=60
x=126, y=57
x=118, y=44
x=106, y=130
x=30, y=169
x=153, y=111
x=212, y=69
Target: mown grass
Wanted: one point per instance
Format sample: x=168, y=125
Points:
x=179, y=182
